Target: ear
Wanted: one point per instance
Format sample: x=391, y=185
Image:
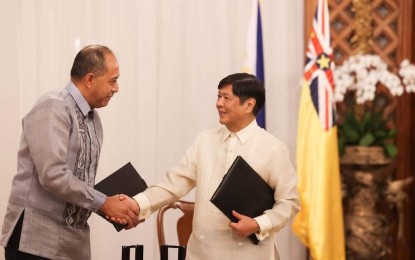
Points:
x=89, y=78
x=250, y=104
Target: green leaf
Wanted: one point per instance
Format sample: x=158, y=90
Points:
x=341, y=146
x=378, y=122
x=366, y=122
x=367, y=140
x=350, y=133
x=391, y=150
x=380, y=134
x=351, y=120
x=391, y=134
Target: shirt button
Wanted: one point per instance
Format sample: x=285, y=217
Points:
x=240, y=243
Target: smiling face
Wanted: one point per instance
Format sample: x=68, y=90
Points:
x=234, y=115
x=103, y=87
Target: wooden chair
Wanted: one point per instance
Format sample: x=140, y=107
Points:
x=139, y=252
x=184, y=228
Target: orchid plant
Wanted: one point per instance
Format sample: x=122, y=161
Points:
x=365, y=121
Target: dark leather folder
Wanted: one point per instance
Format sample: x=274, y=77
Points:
x=125, y=180
x=244, y=191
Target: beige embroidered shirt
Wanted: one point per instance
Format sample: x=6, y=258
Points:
x=203, y=167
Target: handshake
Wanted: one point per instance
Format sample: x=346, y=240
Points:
x=122, y=209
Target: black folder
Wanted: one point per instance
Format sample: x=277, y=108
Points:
x=244, y=191
x=125, y=180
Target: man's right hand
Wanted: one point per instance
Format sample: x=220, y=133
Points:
x=124, y=211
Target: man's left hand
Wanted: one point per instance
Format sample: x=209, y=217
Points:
x=245, y=225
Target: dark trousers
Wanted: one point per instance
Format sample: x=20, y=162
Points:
x=12, y=249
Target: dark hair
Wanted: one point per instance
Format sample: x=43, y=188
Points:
x=90, y=59
x=246, y=86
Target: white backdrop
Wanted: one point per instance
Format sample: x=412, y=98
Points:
x=172, y=54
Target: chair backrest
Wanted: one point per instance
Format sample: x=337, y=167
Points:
x=184, y=223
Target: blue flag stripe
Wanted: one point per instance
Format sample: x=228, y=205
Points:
x=260, y=65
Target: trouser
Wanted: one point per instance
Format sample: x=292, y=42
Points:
x=12, y=249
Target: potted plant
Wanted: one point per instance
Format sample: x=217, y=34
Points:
x=366, y=92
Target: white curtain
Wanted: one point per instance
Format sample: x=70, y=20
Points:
x=172, y=55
